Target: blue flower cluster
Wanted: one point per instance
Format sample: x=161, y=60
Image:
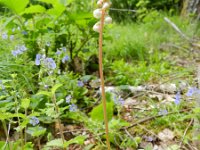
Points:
x=80, y=84
x=47, y=62
x=34, y=121
x=73, y=108
x=119, y=101
x=19, y=49
x=68, y=99
x=163, y=112
x=4, y=36
x=177, y=98
x=192, y=91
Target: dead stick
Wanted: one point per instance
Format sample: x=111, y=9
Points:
x=150, y=118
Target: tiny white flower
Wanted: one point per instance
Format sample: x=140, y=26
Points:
x=106, y=5
x=100, y=3
x=108, y=20
x=96, y=27
x=97, y=13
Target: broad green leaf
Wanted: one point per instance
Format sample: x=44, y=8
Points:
x=55, y=87
x=9, y=115
x=97, y=112
x=49, y=1
x=25, y=103
x=36, y=131
x=34, y=9
x=57, y=10
x=58, y=7
x=77, y=140
x=17, y=6
x=55, y=143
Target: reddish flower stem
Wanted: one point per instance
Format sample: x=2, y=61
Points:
x=102, y=78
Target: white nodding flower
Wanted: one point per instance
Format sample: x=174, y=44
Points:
x=106, y=5
x=96, y=27
x=100, y=3
x=108, y=20
x=97, y=13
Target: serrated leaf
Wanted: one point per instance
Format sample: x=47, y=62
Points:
x=25, y=103
x=34, y=9
x=16, y=6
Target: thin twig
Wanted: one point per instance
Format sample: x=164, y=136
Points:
x=189, y=125
x=176, y=28
x=151, y=118
x=116, y=9
x=7, y=139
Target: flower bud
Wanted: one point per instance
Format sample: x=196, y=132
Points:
x=106, y=5
x=96, y=27
x=100, y=3
x=97, y=13
x=108, y=20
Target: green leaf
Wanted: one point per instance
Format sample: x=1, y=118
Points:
x=5, y=116
x=36, y=131
x=60, y=102
x=45, y=93
x=55, y=143
x=25, y=103
x=16, y=6
x=97, y=112
x=58, y=7
x=34, y=9
x=78, y=140
x=55, y=87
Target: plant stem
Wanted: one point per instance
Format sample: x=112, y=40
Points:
x=102, y=78
x=58, y=119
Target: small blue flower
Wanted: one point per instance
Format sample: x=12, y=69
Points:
x=73, y=108
x=22, y=48
x=64, y=49
x=37, y=60
x=68, y=99
x=4, y=36
x=192, y=91
x=177, y=98
x=48, y=44
x=46, y=86
x=65, y=59
x=19, y=49
x=50, y=63
x=80, y=84
x=163, y=112
x=11, y=37
x=58, y=52
x=14, y=53
x=34, y=121
x=24, y=32
x=119, y=101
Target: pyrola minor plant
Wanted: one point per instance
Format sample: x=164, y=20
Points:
x=101, y=13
